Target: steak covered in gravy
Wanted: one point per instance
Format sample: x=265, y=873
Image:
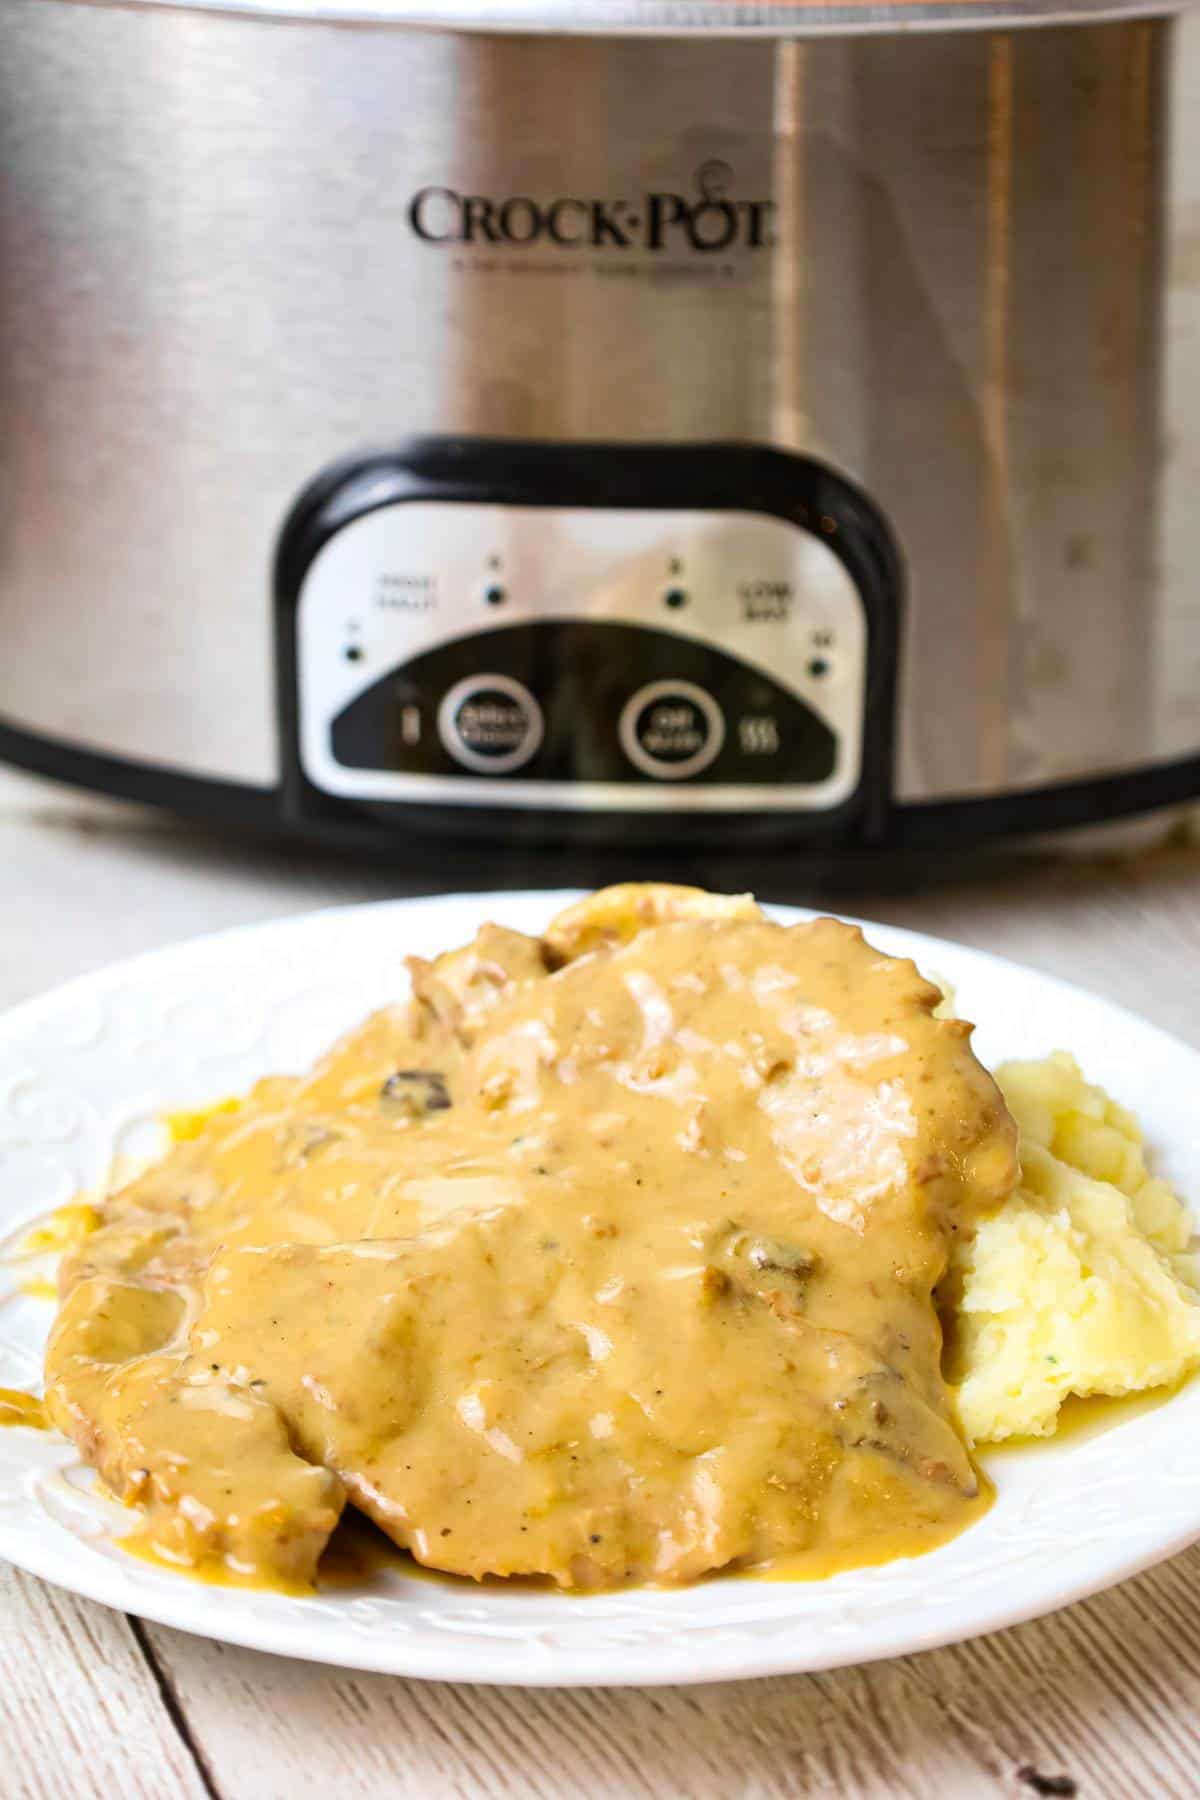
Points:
x=610, y=1257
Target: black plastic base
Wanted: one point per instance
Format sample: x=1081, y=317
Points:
x=948, y=825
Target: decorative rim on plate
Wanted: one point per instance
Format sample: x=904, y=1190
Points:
x=85, y=1070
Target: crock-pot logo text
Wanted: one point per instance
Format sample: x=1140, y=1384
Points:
x=706, y=221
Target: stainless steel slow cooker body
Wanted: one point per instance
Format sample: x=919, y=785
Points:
x=650, y=416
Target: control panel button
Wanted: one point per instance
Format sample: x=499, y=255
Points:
x=461, y=707
x=671, y=729
x=491, y=724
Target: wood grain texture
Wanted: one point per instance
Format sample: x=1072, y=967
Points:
x=1107, y=1693
x=81, y=1711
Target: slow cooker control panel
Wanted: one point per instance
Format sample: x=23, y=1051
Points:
x=500, y=652
x=584, y=655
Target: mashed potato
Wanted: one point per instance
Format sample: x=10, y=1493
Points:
x=1081, y=1283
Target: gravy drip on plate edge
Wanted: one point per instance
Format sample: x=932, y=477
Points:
x=620, y=1270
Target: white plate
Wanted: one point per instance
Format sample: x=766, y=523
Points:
x=83, y=1074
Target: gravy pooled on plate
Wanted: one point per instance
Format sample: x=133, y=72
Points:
x=611, y=1257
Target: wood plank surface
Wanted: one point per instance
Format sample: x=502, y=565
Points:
x=1105, y=1696
x=81, y=1704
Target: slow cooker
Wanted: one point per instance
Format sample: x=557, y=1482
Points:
x=603, y=422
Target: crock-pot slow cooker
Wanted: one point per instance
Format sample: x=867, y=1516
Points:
x=603, y=421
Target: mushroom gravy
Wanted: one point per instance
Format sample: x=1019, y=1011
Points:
x=610, y=1257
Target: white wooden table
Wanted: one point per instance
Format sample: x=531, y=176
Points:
x=1106, y=1695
